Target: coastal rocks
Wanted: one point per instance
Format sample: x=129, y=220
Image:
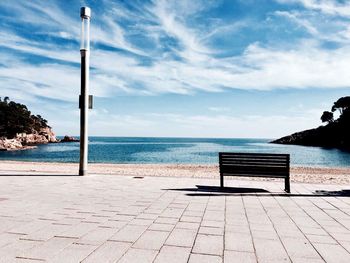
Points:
x=24, y=141
x=45, y=135
x=69, y=139
x=10, y=144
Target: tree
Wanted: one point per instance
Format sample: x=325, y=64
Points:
x=16, y=118
x=341, y=104
x=327, y=116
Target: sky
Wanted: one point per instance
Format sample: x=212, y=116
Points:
x=184, y=68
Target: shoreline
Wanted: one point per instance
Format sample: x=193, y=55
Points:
x=326, y=175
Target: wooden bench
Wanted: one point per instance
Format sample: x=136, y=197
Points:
x=255, y=165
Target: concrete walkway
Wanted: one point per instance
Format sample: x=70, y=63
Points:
x=124, y=219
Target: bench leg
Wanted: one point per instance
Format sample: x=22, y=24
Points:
x=287, y=185
x=221, y=181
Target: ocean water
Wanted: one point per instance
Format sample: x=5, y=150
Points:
x=175, y=150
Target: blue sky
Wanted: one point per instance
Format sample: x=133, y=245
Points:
x=191, y=68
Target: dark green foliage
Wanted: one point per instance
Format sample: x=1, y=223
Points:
x=341, y=104
x=327, y=117
x=16, y=118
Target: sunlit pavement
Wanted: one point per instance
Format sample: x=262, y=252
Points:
x=100, y=218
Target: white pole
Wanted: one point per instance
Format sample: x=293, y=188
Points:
x=85, y=14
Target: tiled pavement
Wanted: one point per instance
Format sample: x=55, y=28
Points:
x=124, y=219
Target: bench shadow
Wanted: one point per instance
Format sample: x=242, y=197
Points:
x=207, y=190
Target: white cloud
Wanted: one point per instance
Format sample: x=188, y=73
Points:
x=221, y=125
x=332, y=7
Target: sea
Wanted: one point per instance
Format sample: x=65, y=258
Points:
x=175, y=151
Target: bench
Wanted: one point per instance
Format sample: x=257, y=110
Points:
x=255, y=165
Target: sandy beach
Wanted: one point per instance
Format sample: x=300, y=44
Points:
x=298, y=174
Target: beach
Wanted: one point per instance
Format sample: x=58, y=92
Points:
x=321, y=175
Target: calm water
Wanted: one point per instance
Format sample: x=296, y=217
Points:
x=175, y=150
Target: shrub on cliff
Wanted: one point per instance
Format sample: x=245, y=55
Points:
x=16, y=118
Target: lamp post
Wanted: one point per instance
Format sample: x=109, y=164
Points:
x=85, y=14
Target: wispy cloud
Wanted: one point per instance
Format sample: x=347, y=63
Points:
x=332, y=7
x=188, y=64
x=160, y=47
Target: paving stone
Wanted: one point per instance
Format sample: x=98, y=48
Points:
x=208, y=244
x=151, y=240
x=198, y=258
x=299, y=248
x=211, y=231
x=47, y=250
x=211, y=223
x=129, y=233
x=17, y=248
x=8, y=238
x=181, y=237
x=239, y=257
x=135, y=255
x=238, y=242
x=28, y=228
x=270, y=251
x=73, y=253
x=170, y=254
x=97, y=236
x=187, y=225
x=321, y=239
x=161, y=227
x=193, y=219
x=166, y=220
x=78, y=231
x=110, y=251
x=333, y=253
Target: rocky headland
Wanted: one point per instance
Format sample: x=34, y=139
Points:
x=335, y=134
x=20, y=130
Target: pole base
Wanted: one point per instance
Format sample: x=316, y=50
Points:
x=83, y=172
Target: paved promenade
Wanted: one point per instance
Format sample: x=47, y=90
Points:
x=153, y=219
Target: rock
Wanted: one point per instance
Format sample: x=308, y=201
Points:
x=24, y=141
x=44, y=136
x=69, y=139
x=10, y=144
x=49, y=134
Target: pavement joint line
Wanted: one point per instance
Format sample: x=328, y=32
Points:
x=320, y=226
x=200, y=223
x=323, y=210
x=273, y=225
x=249, y=226
x=291, y=218
x=36, y=259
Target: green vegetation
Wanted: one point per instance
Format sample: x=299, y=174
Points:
x=16, y=118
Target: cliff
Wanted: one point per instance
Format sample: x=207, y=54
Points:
x=19, y=129
x=335, y=134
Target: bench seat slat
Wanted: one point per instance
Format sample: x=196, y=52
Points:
x=251, y=154
x=254, y=162
x=256, y=175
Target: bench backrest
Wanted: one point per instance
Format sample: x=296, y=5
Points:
x=254, y=164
